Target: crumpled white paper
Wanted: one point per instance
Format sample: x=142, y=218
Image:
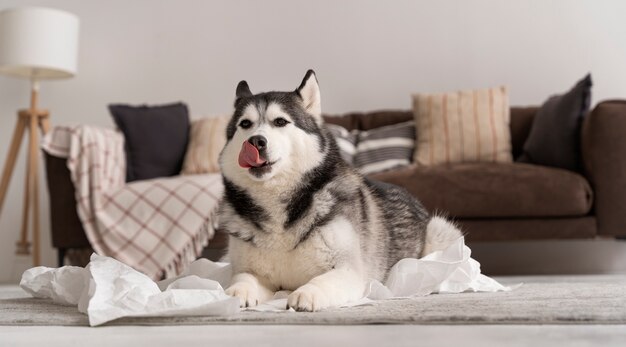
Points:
x=106, y=289
x=449, y=271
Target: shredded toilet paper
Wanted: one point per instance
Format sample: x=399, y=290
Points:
x=107, y=289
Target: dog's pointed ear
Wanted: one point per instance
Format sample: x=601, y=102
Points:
x=242, y=91
x=309, y=91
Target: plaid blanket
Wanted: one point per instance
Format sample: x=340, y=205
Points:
x=156, y=226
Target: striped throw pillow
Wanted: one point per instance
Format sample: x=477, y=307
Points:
x=346, y=141
x=463, y=126
x=385, y=148
x=378, y=149
x=206, y=140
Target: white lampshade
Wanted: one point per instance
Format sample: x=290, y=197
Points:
x=38, y=43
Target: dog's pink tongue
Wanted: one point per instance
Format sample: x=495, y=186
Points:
x=249, y=156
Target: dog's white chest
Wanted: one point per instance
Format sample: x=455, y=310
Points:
x=289, y=267
x=284, y=267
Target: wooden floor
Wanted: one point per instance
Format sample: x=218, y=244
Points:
x=318, y=336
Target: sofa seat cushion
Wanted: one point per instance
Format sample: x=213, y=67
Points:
x=502, y=190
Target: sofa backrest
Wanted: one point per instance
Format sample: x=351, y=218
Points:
x=521, y=121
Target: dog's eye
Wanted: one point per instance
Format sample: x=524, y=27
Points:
x=280, y=122
x=245, y=124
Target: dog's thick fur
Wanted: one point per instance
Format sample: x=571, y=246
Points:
x=307, y=221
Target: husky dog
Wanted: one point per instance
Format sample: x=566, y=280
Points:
x=299, y=218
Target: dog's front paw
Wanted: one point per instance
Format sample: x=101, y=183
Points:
x=308, y=298
x=247, y=293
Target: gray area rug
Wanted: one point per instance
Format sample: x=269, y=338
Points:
x=541, y=300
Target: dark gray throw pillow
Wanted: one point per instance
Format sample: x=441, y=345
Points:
x=554, y=138
x=155, y=138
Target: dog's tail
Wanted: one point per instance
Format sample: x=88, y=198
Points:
x=440, y=233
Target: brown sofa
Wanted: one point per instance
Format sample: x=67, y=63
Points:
x=489, y=201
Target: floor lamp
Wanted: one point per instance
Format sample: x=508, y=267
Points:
x=35, y=43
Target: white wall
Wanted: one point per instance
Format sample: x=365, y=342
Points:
x=368, y=54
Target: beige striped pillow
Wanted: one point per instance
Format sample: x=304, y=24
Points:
x=463, y=126
x=206, y=140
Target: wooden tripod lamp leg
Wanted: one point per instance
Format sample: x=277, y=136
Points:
x=9, y=165
x=23, y=246
x=34, y=178
x=34, y=120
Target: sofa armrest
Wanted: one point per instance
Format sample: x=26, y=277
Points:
x=67, y=230
x=604, y=157
x=82, y=144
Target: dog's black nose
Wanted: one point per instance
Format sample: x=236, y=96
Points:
x=258, y=141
